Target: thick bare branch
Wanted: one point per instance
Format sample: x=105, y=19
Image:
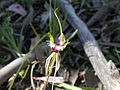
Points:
x=91, y=48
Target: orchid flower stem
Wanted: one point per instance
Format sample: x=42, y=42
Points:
x=58, y=20
x=73, y=34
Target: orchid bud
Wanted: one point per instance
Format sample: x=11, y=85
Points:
x=62, y=39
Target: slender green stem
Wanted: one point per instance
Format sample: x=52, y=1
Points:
x=34, y=30
x=58, y=20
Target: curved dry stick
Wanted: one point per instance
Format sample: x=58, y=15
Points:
x=31, y=76
x=97, y=59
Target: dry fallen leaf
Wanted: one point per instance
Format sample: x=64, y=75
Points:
x=17, y=8
x=51, y=79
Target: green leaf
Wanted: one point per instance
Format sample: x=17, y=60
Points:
x=72, y=87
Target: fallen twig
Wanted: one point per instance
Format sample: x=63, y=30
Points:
x=11, y=68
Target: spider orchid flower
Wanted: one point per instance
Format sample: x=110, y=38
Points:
x=62, y=39
x=55, y=49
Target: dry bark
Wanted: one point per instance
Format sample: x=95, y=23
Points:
x=106, y=73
